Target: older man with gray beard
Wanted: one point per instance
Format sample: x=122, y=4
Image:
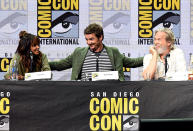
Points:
x=165, y=60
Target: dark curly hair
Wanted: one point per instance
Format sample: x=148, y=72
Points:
x=26, y=41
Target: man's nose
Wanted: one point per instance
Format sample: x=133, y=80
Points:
x=37, y=46
x=88, y=42
x=156, y=42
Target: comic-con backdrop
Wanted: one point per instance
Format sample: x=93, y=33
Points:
x=128, y=25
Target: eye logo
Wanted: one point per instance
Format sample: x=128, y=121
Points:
x=11, y=25
x=116, y=24
x=130, y=122
x=167, y=20
x=4, y=123
x=65, y=25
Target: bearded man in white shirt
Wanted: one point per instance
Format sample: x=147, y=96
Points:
x=165, y=60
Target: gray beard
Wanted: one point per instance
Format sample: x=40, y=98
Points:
x=161, y=50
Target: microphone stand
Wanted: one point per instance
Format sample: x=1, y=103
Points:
x=97, y=61
x=31, y=62
x=166, y=63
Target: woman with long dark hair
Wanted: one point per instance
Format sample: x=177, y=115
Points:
x=28, y=56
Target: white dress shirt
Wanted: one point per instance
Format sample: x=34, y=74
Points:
x=176, y=65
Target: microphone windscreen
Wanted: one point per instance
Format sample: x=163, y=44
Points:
x=168, y=55
x=31, y=55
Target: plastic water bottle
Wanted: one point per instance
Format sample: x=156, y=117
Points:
x=190, y=68
x=14, y=71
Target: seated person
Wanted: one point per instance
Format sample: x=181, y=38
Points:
x=163, y=49
x=97, y=57
x=28, y=48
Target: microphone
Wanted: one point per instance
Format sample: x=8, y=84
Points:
x=97, y=60
x=31, y=63
x=166, y=63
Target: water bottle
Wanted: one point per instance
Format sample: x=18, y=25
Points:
x=190, y=68
x=14, y=71
x=127, y=71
